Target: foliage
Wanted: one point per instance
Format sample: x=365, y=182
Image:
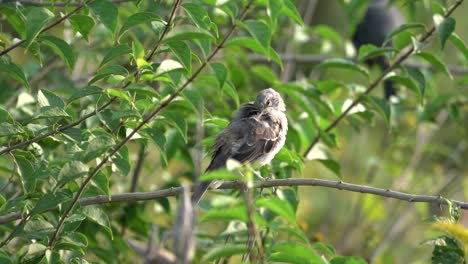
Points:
x=103, y=97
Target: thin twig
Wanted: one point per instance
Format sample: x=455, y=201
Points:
x=10, y=180
x=145, y=196
x=391, y=67
x=163, y=104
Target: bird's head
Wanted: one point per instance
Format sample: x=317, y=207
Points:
x=269, y=98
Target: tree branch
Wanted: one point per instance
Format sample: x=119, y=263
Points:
x=163, y=104
x=145, y=196
x=404, y=55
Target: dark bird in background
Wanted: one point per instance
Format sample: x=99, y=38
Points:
x=255, y=135
x=379, y=20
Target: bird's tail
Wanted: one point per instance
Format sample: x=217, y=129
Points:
x=200, y=189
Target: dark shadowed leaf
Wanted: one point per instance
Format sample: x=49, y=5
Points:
x=107, y=13
x=381, y=106
x=198, y=14
x=7, y=129
x=402, y=28
x=435, y=62
x=444, y=28
x=15, y=72
x=48, y=98
x=260, y=31
x=61, y=48
x=50, y=112
x=85, y=91
x=291, y=11
x=36, y=19
x=183, y=53
x=136, y=19
x=101, y=181
x=82, y=24
x=97, y=215
x=332, y=165
x=115, y=52
x=220, y=72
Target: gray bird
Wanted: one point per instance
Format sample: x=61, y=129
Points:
x=255, y=135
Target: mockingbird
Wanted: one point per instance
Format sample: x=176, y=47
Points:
x=255, y=135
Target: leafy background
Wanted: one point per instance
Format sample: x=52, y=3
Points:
x=166, y=77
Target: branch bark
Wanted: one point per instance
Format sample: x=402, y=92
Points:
x=145, y=196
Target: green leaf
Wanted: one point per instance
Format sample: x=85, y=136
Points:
x=87, y=90
x=418, y=76
x=109, y=70
x=381, y=106
x=72, y=171
x=34, y=253
x=370, y=51
x=36, y=19
x=14, y=72
x=15, y=17
x=226, y=214
x=458, y=42
x=444, y=28
x=157, y=136
x=38, y=229
x=230, y=90
x=266, y=74
x=178, y=120
x=107, y=13
x=187, y=32
x=98, y=146
x=51, y=200
x=221, y=174
x=97, y=215
x=291, y=11
x=198, y=14
x=136, y=19
x=101, y=181
x=408, y=83
x=7, y=129
x=280, y=207
x=224, y=251
x=436, y=63
x=50, y=112
x=82, y=24
x=123, y=165
x=61, y=48
x=168, y=66
x=260, y=31
x=48, y=98
x=288, y=257
x=141, y=89
x=332, y=165
x=402, y=28
x=220, y=72
x=344, y=64
x=117, y=93
x=72, y=241
x=447, y=251
x=115, y=52
x=296, y=250
x=347, y=260
x=26, y=171
x=183, y=53
x=274, y=8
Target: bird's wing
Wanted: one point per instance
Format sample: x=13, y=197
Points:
x=259, y=135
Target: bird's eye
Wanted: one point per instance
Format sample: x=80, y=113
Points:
x=268, y=102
